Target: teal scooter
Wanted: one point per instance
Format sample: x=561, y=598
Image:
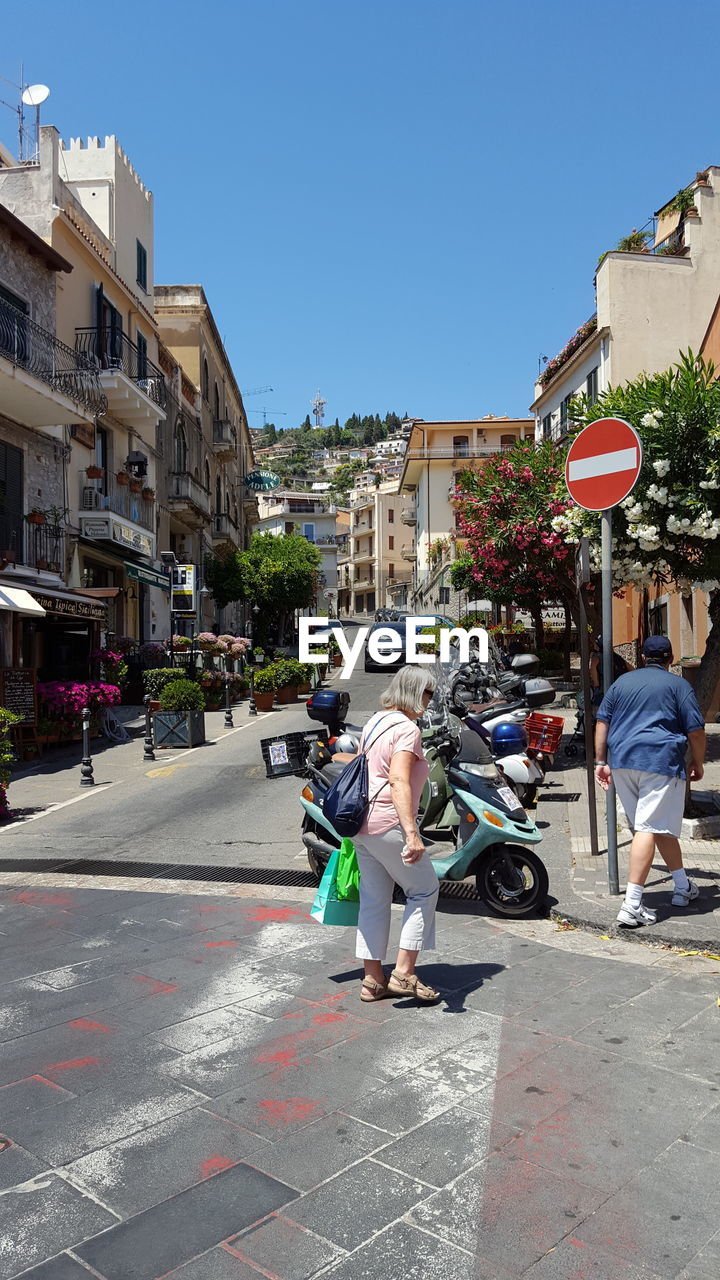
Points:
x=486, y=829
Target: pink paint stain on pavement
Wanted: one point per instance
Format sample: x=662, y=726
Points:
x=270, y=915
x=158, y=988
x=75, y=1064
x=215, y=1164
x=281, y=1111
x=35, y=898
x=84, y=1024
x=228, y=943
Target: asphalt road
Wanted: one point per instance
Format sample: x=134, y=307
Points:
x=213, y=806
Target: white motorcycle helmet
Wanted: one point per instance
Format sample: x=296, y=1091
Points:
x=346, y=742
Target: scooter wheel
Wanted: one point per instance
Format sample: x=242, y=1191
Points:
x=512, y=881
x=570, y=750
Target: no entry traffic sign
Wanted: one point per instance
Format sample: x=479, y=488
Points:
x=603, y=464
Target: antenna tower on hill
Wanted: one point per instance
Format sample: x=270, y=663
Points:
x=318, y=408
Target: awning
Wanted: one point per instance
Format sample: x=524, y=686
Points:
x=19, y=601
x=102, y=593
x=150, y=577
x=71, y=604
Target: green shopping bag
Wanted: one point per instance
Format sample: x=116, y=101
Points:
x=328, y=908
x=348, y=872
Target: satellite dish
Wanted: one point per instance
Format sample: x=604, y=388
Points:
x=35, y=94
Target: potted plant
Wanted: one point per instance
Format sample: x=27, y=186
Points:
x=8, y=720
x=123, y=477
x=155, y=680
x=93, y=472
x=180, y=722
x=148, y=494
x=334, y=651
x=135, y=486
x=286, y=688
x=306, y=675
x=7, y=557
x=265, y=686
x=36, y=516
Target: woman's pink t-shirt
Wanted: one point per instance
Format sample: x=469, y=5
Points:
x=402, y=735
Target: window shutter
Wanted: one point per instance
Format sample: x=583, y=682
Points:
x=11, y=497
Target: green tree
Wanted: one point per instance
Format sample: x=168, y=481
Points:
x=280, y=573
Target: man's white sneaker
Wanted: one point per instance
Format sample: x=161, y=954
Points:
x=633, y=917
x=681, y=897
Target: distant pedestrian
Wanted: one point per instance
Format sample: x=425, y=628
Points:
x=619, y=668
x=646, y=719
x=389, y=847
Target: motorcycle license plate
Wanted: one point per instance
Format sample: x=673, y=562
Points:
x=509, y=798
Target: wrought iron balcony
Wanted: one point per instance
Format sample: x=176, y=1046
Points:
x=120, y=499
x=135, y=387
x=70, y=385
x=37, y=546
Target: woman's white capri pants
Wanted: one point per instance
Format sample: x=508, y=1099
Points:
x=381, y=868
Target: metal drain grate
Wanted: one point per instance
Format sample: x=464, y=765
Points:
x=162, y=871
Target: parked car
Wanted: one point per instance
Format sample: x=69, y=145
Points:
x=398, y=626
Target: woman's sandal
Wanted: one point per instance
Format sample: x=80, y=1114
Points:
x=372, y=990
x=408, y=984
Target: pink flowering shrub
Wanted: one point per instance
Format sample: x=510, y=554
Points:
x=60, y=698
x=553, y=366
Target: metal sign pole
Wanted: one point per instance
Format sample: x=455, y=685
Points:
x=582, y=572
x=607, y=661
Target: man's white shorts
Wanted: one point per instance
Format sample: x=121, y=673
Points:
x=652, y=801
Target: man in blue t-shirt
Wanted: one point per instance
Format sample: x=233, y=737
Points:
x=647, y=719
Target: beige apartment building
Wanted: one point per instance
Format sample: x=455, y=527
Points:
x=651, y=306
x=204, y=508
x=373, y=565
x=86, y=201
x=437, y=453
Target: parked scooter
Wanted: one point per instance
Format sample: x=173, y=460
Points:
x=488, y=830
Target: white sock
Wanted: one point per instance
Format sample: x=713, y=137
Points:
x=681, y=879
x=633, y=895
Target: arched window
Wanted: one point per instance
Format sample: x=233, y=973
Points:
x=217, y=403
x=227, y=502
x=207, y=475
x=235, y=515
x=218, y=496
x=205, y=385
x=461, y=447
x=180, y=447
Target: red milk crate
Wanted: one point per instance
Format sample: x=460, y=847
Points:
x=544, y=732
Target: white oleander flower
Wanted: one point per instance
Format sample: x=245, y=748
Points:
x=661, y=467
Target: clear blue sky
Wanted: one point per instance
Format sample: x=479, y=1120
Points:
x=398, y=201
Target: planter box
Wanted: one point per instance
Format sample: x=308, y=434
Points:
x=264, y=701
x=178, y=728
x=288, y=693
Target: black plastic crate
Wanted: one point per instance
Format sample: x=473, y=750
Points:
x=285, y=754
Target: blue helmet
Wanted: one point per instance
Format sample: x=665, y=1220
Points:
x=508, y=739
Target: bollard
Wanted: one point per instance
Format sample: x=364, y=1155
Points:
x=228, y=708
x=148, y=754
x=252, y=709
x=86, y=768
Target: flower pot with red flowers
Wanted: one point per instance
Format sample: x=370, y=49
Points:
x=36, y=516
x=94, y=473
x=148, y=494
x=135, y=486
x=123, y=477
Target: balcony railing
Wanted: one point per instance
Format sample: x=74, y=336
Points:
x=224, y=527
x=408, y=517
x=108, y=495
x=185, y=489
x=38, y=546
x=109, y=349
x=224, y=438
x=326, y=540
x=40, y=353
x=447, y=452
x=409, y=552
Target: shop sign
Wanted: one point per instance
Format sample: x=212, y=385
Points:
x=84, y=433
x=72, y=608
x=150, y=577
x=183, y=599
x=18, y=692
x=552, y=617
x=112, y=530
x=261, y=481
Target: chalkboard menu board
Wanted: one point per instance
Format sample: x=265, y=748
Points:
x=18, y=692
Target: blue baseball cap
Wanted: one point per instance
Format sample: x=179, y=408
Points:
x=657, y=647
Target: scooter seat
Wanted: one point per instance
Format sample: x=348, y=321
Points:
x=333, y=770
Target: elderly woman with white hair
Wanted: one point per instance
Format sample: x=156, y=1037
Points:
x=389, y=848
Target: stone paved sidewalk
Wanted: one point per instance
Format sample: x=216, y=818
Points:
x=190, y=1088
x=579, y=880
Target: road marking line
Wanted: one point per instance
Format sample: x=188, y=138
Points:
x=603, y=464
x=61, y=804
